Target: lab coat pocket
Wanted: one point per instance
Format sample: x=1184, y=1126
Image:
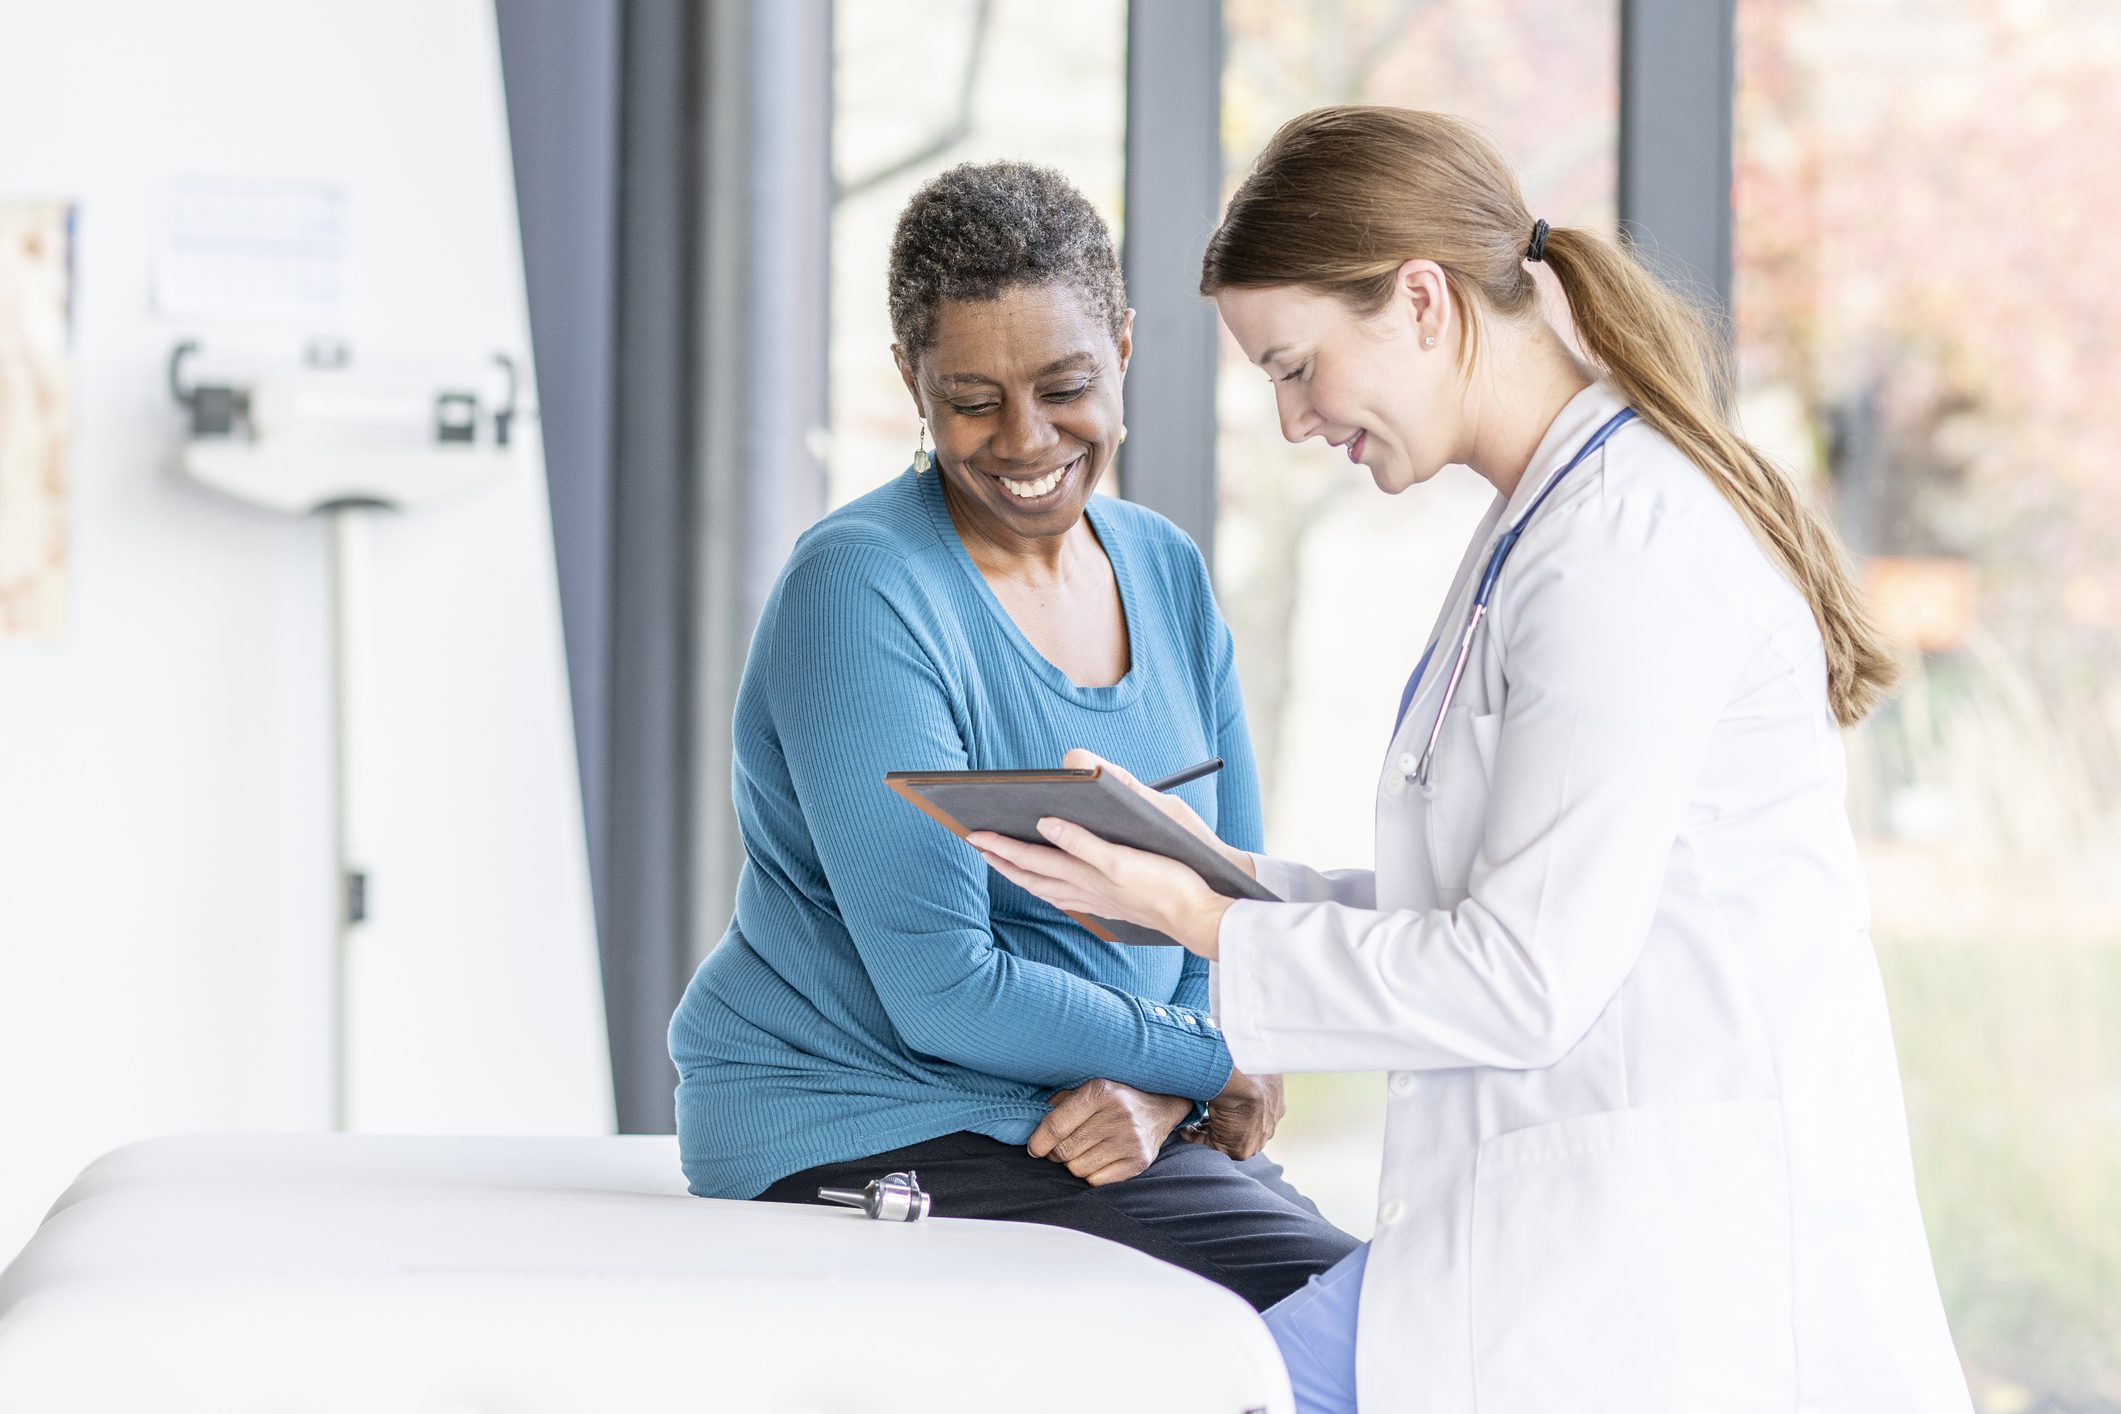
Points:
x=1635, y=1260
x=1458, y=799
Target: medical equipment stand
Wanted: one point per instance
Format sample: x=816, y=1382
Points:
x=253, y=443
x=351, y=563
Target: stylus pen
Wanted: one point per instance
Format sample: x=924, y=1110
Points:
x=1192, y=773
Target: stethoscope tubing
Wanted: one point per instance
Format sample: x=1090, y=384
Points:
x=1424, y=767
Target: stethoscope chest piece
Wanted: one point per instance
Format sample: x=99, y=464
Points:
x=894, y=1198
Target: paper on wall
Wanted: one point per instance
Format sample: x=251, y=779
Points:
x=254, y=251
x=36, y=414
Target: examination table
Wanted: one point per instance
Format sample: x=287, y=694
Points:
x=321, y=1274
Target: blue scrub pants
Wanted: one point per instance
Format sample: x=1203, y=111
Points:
x=1315, y=1328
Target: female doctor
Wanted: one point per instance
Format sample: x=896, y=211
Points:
x=1645, y=1147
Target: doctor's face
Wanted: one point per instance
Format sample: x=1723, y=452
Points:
x=1365, y=384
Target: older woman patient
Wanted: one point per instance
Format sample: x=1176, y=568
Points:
x=882, y=999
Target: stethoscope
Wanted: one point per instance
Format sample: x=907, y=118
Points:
x=1424, y=769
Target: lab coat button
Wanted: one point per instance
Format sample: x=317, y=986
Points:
x=1403, y=1084
x=1395, y=784
x=1392, y=1211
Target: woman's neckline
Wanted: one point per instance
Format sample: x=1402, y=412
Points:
x=1106, y=698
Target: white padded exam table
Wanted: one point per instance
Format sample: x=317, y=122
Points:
x=329, y=1273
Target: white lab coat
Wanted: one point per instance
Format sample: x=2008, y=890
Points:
x=1645, y=1146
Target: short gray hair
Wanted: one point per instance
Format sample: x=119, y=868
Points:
x=985, y=227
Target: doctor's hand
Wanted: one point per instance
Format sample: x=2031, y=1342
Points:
x=1103, y=1131
x=1171, y=805
x=1081, y=873
x=1243, y=1117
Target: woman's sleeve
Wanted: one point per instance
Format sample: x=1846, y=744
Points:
x=1618, y=663
x=855, y=693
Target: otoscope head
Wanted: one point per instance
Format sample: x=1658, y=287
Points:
x=894, y=1198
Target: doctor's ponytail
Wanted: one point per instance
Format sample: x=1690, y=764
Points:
x=1342, y=197
x=1659, y=352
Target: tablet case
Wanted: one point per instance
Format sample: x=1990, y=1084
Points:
x=1012, y=803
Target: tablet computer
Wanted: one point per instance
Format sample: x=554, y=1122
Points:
x=1013, y=802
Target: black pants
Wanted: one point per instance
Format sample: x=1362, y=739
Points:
x=1238, y=1224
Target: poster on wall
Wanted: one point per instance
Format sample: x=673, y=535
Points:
x=36, y=414
x=255, y=251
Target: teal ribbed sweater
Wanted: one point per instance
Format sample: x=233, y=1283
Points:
x=880, y=985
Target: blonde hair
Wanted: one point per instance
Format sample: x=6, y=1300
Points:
x=1342, y=197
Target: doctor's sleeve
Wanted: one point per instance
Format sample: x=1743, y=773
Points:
x=856, y=693
x=1619, y=654
x=1300, y=883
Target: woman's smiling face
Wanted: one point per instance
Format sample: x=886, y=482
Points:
x=1371, y=386
x=1022, y=397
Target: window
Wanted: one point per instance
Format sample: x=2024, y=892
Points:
x=1936, y=339
x=1329, y=586
x=919, y=87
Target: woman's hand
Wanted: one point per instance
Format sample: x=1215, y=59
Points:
x=1104, y=1131
x=1171, y=805
x=1085, y=874
x=1243, y=1117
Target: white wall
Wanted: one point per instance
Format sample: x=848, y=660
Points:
x=166, y=889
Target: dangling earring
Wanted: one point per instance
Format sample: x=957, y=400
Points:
x=921, y=459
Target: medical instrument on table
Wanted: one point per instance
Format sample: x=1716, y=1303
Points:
x=1192, y=773
x=1424, y=769
x=894, y=1198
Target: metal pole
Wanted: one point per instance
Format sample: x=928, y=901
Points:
x=1174, y=195
x=351, y=680
x=1677, y=76
x=762, y=313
